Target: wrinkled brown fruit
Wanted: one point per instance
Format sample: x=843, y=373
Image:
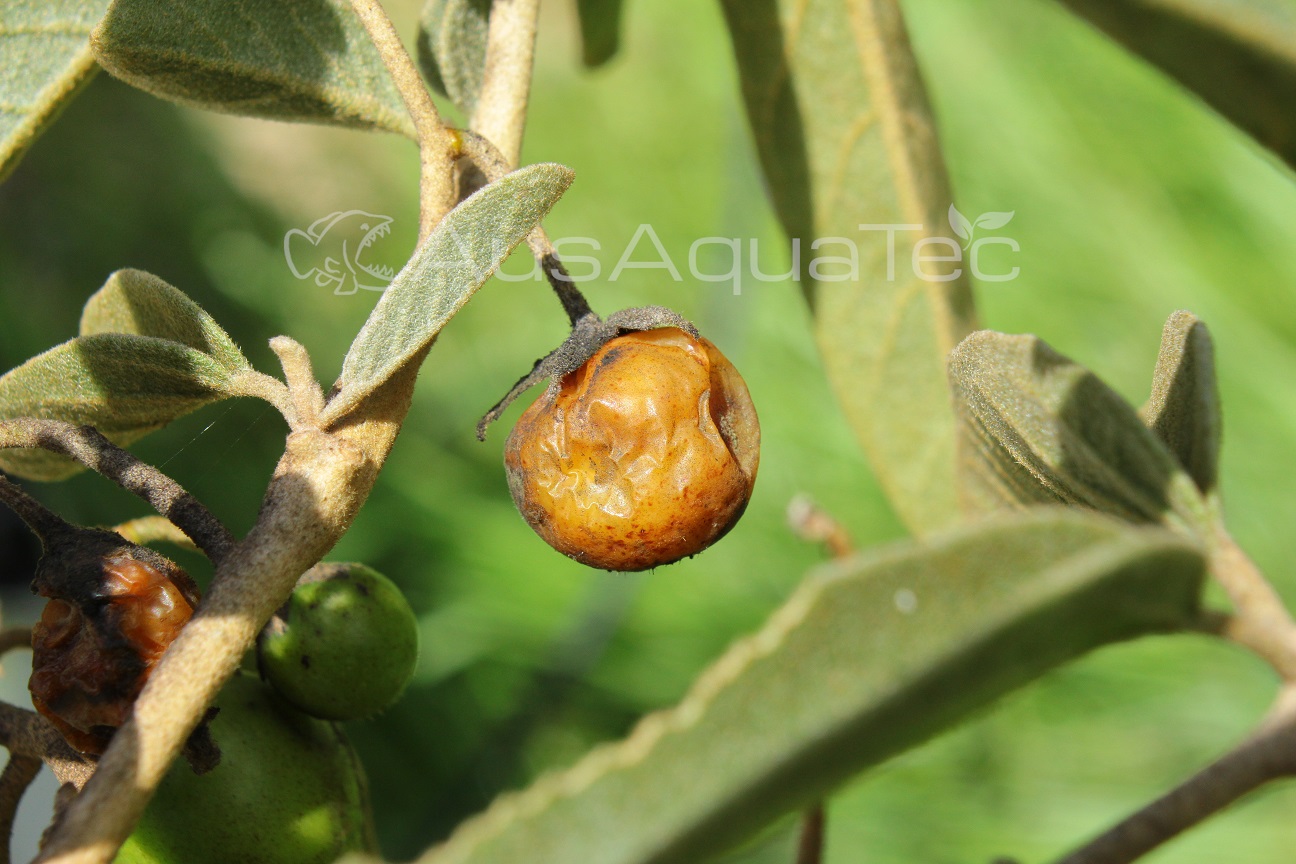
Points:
x=644, y=455
x=92, y=654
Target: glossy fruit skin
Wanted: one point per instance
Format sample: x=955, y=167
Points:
x=644, y=455
x=346, y=645
x=288, y=790
x=99, y=636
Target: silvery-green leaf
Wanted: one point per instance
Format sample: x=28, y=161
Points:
x=124, y=385
x=45, y=59
x=135, y=302
x=846, y=138
x=869, y=657
x=454, y=261
x=452, y=48
x=304, y=60
x=1036, y=427
x=600, y=25
x=1238, y=56
x=1184, y=410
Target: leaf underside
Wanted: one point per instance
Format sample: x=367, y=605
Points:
x=1036, y=427
x=307, y=60
x=869, y=657
x=133, y=301
x=1184, y=410
x=846, y=138
x=45, y=57
x=1239, y=56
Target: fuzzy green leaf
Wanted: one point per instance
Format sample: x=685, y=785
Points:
x=452, y=48
x=45, y=59
x=846, y=137
x=600, y=25
x=1038, y=428
x=454, y=261
x=1239, y=56
x=139, y=303
x=305, y=60
x=1184, y=409
x=124, y=385
x=871, y=656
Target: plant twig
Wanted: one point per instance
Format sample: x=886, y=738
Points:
x=267, y=388
x=810, y=846
x=317, y=489
x=18, y=774
x=437, y=145
x=303, y=386
x=501, y=111
x=1260, y=622
x=1267, y=755
x=85, y=445
x=810, y=522
x=26, y=733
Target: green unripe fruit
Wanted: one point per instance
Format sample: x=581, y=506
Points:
x=288, y=790
x=344, y=646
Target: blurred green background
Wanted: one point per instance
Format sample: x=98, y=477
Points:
x=1131, y=200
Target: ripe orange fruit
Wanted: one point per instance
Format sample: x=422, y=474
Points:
x=644, y=455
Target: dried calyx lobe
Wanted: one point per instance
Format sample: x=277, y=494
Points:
x=113, y=609
x=589, y=334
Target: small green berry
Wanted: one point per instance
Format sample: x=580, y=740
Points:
x=344, y=646
x=288, y=790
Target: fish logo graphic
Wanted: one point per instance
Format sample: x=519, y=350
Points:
x=341, y=240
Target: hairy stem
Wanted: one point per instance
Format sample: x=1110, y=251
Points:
x=1260, y=622
x=259, y=385
x=811, y=844
x=85, y=445
x=1267, y=755
x=501, y=110
x=303, y=387
x=18, y=774
x=812, y=523
x=437, y=145
x=317, y=489
x=26, y=733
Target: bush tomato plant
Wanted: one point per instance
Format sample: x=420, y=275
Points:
x=1049, y=516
